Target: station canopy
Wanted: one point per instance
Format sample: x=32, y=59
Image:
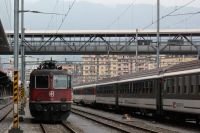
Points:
x=4, y=46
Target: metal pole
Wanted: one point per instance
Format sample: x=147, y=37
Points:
x=22, y=45
x=16, y=33
x=158, y=33
x=97, y=72
x=198, y=56
x=136, y=52
x=23, y=83
x=16, y=128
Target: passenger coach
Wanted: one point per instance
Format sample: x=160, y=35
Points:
x=167, y=91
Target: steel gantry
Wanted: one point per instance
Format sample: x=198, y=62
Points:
x=108, y=42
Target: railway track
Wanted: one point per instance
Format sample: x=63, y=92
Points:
x=115, y=124
x=57, y=128
x=5, y=111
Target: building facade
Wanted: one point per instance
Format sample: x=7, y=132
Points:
x=97, y=67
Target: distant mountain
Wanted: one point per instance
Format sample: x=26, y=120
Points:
x=85, y=15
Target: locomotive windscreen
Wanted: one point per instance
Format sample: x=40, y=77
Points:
x=39, y=82
x=61, y=81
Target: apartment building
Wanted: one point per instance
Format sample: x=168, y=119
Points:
x=105, y=66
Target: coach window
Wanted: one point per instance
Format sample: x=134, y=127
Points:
x=134, y=86
x=120, y=89
x=150, y=86
x=170, y=84
x=198, y=84
x=145, y=87
x=174, y=85
x=60, y=81
x=138, y=88
x=127, y=87
x=193, y=83
x=42, y=82
x=186, y=85
x=180, y=84
x=179, y=89
x=130, y=87
x=141, y=87
x=124, y=88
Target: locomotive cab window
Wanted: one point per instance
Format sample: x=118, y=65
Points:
x=60, y=82
x=32, y=82
x=41, y=82
x=69, y=81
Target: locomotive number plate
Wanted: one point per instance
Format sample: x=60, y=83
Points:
x=51, y=93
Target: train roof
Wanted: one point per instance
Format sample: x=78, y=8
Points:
x=183, y=68
x=48, y=71
x=195, y=64
x=178, y=69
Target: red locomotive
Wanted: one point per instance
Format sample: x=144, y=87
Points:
x=50, y=92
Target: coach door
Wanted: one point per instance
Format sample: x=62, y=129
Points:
x=116, y=94
x=158, y=83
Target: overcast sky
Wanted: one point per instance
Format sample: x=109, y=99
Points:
x=196, y=3
x=97, y=11
x=129, y=19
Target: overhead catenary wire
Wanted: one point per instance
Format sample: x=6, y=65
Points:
x=7, y=11
x=65, y=16
x=118, y=17
x=182, y=20
x=11, y=9
x=183, y=14
x=52, y=16
x=53, y=13
x=175, y=10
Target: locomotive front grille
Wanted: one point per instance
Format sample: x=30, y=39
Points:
x=49, y=107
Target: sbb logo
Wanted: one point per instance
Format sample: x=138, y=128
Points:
x=51, y=93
